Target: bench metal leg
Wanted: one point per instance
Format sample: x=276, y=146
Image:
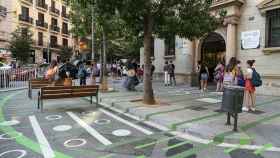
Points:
x=90, y=99
x=41, y=105
x=228, y=119
x=235, y=122
x=97, y=101
x=38, y=100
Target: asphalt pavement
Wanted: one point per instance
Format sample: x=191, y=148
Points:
x=73, y=128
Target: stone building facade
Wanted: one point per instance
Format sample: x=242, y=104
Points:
x=251, y=30
x=47, y=19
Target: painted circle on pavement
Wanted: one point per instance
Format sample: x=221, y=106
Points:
x=53, y=117
x=6, y=136
x=121, y=133
x=73, y=143
x=62, y=128
x=102, y=122
x=22, y=153
x=9, y=123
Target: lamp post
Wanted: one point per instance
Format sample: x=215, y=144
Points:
x=92, y=34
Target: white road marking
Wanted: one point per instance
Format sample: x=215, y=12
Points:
x=43, y=142
x=90, y=130
x=143, y=130
x=209, y=100
x=22, y=153
x=69, y=145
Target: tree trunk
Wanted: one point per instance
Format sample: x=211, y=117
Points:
x=148, y=87
x=104, y=83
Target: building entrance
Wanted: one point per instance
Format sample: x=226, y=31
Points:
x=213, y=50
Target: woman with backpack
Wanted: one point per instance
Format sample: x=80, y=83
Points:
x=219, y=76
x=249, y=91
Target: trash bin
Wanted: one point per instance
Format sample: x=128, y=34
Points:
x=233, y=99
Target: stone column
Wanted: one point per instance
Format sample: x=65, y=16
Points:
x=231, y=45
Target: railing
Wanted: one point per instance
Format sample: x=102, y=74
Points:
x=3, y=11
x=17, y=78
x=41, y=24
x=65, y=15
x=25, y=19
x=42, y=4
x=65, y=31
x=54, y=10
x=55, y=28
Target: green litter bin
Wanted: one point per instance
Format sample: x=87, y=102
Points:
x=233, y=99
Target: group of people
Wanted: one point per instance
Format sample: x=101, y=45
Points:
x=169, y=74
x=70, y=71
x=233, y=75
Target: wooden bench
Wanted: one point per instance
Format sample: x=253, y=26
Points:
x=60, y=92
x=36, y=84
x=39, y=83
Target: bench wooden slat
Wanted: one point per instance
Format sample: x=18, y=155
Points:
x=58, y=91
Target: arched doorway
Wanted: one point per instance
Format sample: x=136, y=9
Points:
x=213, y=50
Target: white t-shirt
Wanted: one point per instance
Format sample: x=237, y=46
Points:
x=249, y=73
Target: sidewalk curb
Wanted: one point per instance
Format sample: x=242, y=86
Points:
x=13, y=89
x=186, y=135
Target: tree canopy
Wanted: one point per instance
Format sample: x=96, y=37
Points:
x=159, y=18
x=21, y=44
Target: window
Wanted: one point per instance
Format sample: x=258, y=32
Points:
x=169, y=46
x=65, y=28
x=54, y=22
x=53, y=4
x=24, y=11
x=53, y=41
x=273, y=28
x=40, y=38
x=65, y=42
x=41, y=17
x=63, y=10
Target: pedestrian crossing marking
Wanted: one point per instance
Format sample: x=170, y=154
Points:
x=43, y=142
x=89, y=129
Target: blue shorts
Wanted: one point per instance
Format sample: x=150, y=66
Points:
x=204, y=76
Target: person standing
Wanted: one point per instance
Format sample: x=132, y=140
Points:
x=153, y=68
x=204, y=76
x=52, y=72
x=249, y=91
x=171, y=72
x=82, y=74
x=198, y=72
x=166, y=74
x=219, y=76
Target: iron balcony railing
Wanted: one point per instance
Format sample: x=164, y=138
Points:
x=41, y=24
x=41, y=4
x=54, y=10
x=55, y=28
x=3, y=11
x=25, y=18
x=65, y=15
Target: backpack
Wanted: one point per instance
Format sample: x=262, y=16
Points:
x=240, y=81
x=82, y=73
x=256, y=79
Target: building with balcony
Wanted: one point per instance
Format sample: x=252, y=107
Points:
x=47, y=19
x=250, y=31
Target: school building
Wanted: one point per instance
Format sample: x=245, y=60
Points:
x=251, y=30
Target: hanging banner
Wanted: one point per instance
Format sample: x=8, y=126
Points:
x=250, y=39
